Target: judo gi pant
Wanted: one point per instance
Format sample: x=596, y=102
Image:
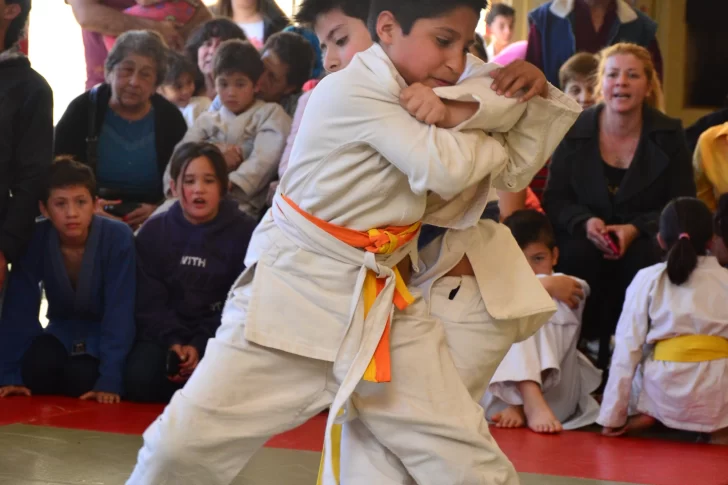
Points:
x=242, y=394
x=477, y=345
x=47, y=369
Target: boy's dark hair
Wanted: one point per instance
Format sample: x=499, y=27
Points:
x=65, y=172
x=720, y=221
x=309, y=10
x=189, y=151
x=686, y=228
x=498, y=10
x=177, y=66
x=582, y=65
x=17, y=25
x=296, y=52
x=530, y=226
x=238, y=56
x=479, y=46
x=223, y=29
x=407, y=12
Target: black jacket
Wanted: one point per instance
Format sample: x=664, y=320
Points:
x=72, y=130
x=26, y=151
x=694, y=131
x=577, y=189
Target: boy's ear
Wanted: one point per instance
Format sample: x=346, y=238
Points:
x=11, y=11
x=386, y=27
x=43, y=209
x=661, y=242
x=554, y=256
x=488, y=31
x=173, y=188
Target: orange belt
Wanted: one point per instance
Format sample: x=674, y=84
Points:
x=378, y=241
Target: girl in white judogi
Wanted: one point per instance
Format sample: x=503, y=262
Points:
x=294, y=332
x=670, y=363
x=544, y=381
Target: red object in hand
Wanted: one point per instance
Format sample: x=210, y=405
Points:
x=612, y=242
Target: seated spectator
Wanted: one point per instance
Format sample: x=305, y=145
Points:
x=98, y=18
x=578, y=79
x=186, y=15
x=288, y=60
x=188, y=258
x=318, y=61
x=499, y=28
x=620, y=164
x=259, y=19
x=178, y=87
x=125, y=131
x=86, y=264
x=671, y=356
x=710, y=162
x=203, y=45
x=694, y=131
x=26, y=137
x=251, y=133
x=561, y=28
x=544, y=382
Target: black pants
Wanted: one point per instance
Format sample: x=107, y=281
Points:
x=145, y=377
x=608, y=281
x=47, y=368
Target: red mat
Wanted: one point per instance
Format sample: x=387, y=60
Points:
x=572, y=454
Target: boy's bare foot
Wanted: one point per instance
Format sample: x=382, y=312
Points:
x=719, y=437
x=539, y=416
x=510, y=417
x=637, y=422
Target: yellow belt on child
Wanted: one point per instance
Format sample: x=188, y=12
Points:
x=379, y=241
x=692, y=348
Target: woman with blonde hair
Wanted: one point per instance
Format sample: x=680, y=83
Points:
x=610, y=178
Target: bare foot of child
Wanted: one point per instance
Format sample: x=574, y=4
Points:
x=638, y=422
x=510, y=417
x=539, y=416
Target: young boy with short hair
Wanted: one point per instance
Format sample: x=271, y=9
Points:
x=179, y=87
x=361, y=161
x=499, y=27
x=544, y=382
x=578, y=78
x=86, y=264
x=251, y=133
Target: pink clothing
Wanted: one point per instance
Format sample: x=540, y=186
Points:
x=517, y=50
x=177, y=11
x=96, y=51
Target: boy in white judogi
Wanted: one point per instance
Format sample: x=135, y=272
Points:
x=544, y=381
x=293, y=334
x=251, y=133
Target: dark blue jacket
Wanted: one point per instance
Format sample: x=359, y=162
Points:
x=557, y=36
x=185, y=272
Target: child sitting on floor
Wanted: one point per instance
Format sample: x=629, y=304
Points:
x=86, y=264
x=188, y=258
x=544, y=381
x=671, y=357
x=179, y=87
x=251, y=133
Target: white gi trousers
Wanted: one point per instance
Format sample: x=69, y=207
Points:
x=242, y=394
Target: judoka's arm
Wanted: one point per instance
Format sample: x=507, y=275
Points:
x=117, y=323
x=19, y=324
x=156, y=318
x=256, y=171
x=630, y=337
x=531, y=130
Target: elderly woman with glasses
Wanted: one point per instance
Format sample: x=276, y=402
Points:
x=124, y=130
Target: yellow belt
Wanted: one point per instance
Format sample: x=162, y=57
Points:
x=692, y=348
